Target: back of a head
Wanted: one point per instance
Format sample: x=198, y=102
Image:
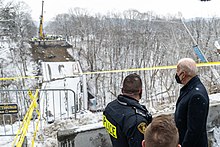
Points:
x=188, y=65
x=162, y=132
x=132, y=84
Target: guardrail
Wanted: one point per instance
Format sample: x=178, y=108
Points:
x=47, y=105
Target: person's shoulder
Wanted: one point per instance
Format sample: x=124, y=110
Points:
x=110, y=106
x=138, y=116
x=199, y=97
x=199, y=89
x=112, y=103
x=117, y=109
x=135, y=124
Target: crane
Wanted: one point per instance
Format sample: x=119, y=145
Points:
x=41, y=34
x=201, y=56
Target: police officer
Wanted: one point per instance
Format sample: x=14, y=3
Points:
x=124, y=118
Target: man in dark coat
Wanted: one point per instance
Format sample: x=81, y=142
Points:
x=192, y=106
x=124, y=118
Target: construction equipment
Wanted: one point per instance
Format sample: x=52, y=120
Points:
x=202, y=57
x=41, y=34
x=45, y=40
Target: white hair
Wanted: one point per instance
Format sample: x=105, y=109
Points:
x=188, y=65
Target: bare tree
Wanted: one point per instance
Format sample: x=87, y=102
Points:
x=133, y=40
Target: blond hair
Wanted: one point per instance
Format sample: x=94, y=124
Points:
x=161, y=132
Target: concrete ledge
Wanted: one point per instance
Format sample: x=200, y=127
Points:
x=95, y=135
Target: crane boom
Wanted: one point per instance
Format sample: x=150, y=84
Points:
x=202, y=57
x=41, y=34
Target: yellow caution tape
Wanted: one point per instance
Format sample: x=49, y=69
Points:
x=36, y=128
x=207, y=64
x=121, y=70
x=151, y=68
x=1, y=79
x=22, y=131
x=15, y=78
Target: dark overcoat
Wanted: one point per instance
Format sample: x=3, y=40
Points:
x=191, y=114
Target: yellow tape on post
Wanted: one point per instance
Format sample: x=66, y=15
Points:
x=26, y=121
x=36, y=128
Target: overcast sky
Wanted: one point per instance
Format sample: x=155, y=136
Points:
x=189, y=8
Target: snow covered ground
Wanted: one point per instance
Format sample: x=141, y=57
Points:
x=47, y=134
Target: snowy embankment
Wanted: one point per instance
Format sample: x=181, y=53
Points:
x=84, y=118
x=48, y=132
x=87, y=117
x=47, y=135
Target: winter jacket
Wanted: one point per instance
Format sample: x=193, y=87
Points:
x=125, y=120
x=191, y=114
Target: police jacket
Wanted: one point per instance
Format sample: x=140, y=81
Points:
x=125, y=120
x=191, y=114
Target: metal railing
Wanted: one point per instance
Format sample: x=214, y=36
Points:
x=53, y=104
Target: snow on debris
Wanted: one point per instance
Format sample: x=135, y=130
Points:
x=84, y=121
